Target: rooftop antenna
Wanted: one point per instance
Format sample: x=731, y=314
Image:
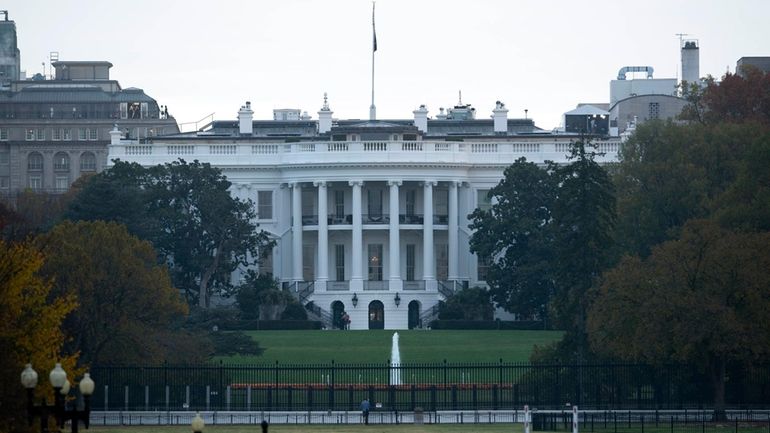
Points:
x=525, y=113
x=53, y=56
x=372, y=108
x=460, y=97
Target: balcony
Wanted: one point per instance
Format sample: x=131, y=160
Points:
x=375, y=285
x=338, y=286
x=414, y=285
x=499, y=153
x=410, y=219
x=309, y=220
x=375, y=219
x=340, y=219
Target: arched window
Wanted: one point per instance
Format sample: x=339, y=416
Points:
x=61, y=162
x=87, y=162
x=35, y=162
x=376, y=315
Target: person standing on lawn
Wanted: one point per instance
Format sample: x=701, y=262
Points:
x=365, y=410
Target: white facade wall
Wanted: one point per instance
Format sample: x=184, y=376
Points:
x=277, y=167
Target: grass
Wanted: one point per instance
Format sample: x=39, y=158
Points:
x=321, y=347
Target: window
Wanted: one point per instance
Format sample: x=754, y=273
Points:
x=35, y=162
x=482, y=270
x=266, y=265
x=410, y=200
x=92, y=134
x=339, y=204
x=29, y=134
x=265, y=205
x=442, y=206
x=56, y=134
x=40, y=134
x=5, y=157
x=5, y=182
x=124, y=110
x=62, y=183
x=308, y=207
x=375, y=262
x=3, y=134
x=82, y=134
x=66, y=134
x=654, y=110
x=35, y=182
x=144, y=110
x=374, y=203
x=87, y=162
x=410, y=260
x=308, y=262
x=483, y=202
x=61, y=162
x=442, y=262
x=339, y=262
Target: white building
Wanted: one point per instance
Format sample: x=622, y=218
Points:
x=370, y=217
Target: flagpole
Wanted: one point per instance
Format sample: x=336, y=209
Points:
x=372, y=108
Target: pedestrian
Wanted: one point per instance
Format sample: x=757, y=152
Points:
x=365, y=410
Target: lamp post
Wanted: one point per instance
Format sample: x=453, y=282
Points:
x=355, y=300
x=397, y=300
x=61, y=386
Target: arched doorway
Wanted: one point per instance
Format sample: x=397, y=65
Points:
x=376, y=315
x=338, y=308
x=414, y=315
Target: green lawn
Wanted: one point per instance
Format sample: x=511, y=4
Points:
x=311, y=347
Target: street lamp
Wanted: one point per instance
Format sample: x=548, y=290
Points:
x=355, y=300
x=397, y=300
x=61, y=386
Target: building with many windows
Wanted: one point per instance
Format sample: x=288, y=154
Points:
x=370, y=217
x=54, y=130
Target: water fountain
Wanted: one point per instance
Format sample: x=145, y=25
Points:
x=395, y=361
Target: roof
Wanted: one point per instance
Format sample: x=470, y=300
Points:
x=64, y=93
x=587, y=110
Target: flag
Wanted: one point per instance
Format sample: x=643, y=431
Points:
x=374, y=33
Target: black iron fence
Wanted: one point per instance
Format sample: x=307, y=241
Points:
x=431, y=387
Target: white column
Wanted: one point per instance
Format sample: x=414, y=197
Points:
x=322, y=275
x=452, y=243
x=356, y=273
x=428, y=267
x=394, y=263
x=296, y=231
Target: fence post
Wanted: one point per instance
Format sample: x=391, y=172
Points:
x=147, y=398
x=168, y=398
x=248, y=397
x=187, y=397
x=208, y=398
x=106, y=397
x=227, y=397
x=574, y=419
x=527, y=419
x=126, y=398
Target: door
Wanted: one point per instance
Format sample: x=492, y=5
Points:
x=414, y=315
x=376, y=315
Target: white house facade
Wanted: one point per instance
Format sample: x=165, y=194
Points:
x=369, y=217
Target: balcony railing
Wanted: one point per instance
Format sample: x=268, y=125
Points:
x=410, y=219
x=503, y=153
x=414, y=285
x=338, y=285
x=375, y=219
x=340, y=219
x=309, y=220
x=375, y=285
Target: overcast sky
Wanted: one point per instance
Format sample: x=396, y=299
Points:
x=202, y=57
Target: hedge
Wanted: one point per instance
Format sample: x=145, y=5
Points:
x=269, y=325
x=521, y=325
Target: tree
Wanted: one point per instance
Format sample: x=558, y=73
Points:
x=30, y=329
x=467, y=304
x=259, y=297
x=127, y=303
x=186, y=210
x=550, y=234
x=734, y=99
x=702, y=298
x=516, y=231
x=584, y=218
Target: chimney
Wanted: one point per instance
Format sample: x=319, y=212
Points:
x=115, y=135
x=421, y=119
x=500, y=116
x=246, y=119
x=690, y=61
x=325, y=117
